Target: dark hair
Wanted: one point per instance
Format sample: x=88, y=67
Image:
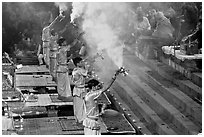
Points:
x=92, y=83
x=77, y=60
x=60, y=41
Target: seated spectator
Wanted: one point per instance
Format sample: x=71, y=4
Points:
x=142, y=25
x=162, y=35
x=164, y=30
x=175, y=21
x=152, y=19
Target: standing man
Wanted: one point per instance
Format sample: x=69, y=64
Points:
x=91, y=124
x=78, y=78
x=63, y=80
x=46, y=33
x=53, y=54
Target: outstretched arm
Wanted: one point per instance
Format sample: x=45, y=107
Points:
x=111, y=82
x=55, y=21
x=39, y=49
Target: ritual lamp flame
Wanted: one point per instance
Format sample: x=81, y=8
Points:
x=100, y=55
x=123, y=71
x=61, y=14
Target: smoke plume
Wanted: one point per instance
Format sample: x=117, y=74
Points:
x=103, y=24
x=77, y=10
x=62, y=6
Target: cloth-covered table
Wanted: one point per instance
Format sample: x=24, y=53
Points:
x=178, y=54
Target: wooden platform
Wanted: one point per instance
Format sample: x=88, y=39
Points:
x=45, y=100
x=50, y=126
x=34, y=81
x=32, y=69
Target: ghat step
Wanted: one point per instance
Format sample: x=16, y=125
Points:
x=131, y=116
x=178, y=99
x=163, y=108
x=195, y=77
x=153, y=121
x=170, y=92
x=185, y=85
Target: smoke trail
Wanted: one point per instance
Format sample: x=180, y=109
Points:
x=103, y=25
x=77, y=10
x=62, y=6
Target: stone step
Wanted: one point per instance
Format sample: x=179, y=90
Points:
x=177, y=98
x=185, y=85
x=124, y=108
x=191, y=89
x=197, y=78
x=154, y=122
x=163, y=108
x=170, y=92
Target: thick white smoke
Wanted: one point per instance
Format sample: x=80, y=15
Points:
x=62, y=6
x=77, y=10
x=103, y=24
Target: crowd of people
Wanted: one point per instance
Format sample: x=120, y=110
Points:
x=155, y=29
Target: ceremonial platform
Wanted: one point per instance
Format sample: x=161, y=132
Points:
x=29, y=77
x=36, y=113
x=32, y=69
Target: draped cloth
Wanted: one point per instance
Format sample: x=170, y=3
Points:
x=78, y=79
x=46, y=44
x=53, y=55
x=63, y=80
